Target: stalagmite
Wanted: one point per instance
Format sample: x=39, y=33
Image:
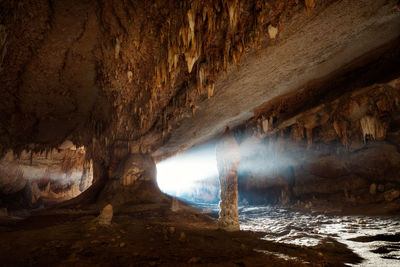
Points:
x=135, y=169
x=175, y=205
x=272, y=31
x=228, y=158
x=106, y=215
x=130, y=76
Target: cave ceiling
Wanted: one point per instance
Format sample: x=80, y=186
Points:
x=163, y=76
x=311, y=53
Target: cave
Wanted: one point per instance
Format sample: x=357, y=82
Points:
x=200, y=132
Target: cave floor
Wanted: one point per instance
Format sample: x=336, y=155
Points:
x=151, y=235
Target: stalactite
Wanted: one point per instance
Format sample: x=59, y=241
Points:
x=190, y=31
x=265, y=125
x=298, y=132
x=310, y=4
x=151, y=107
x=233, y=10
x=372, y=127
x=201, y=78
x=210, y=90
x=158, y=77
x=191, y=57
x=193, y=108
x=191, y=15
x=164, y=73
x=341, y=131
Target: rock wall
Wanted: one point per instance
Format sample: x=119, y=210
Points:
x=33, y=179
x=340, y=155
x=133, y=181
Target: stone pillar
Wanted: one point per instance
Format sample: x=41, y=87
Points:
x=228, y=158
x=137, y=168
x=133, y=181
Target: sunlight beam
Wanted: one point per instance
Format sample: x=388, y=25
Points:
x=182, y=174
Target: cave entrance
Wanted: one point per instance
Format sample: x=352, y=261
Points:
x=191, y=176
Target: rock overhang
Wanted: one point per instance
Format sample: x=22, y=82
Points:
x=328, y=45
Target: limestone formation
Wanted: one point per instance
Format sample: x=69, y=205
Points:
x=351, y=148
x=391, y=195
x=46, y=178
x=228, y=158
x=83, y=103
x=175, y=205
x=136, y=168
x=372, y=189
x=106, y=215
x=272, y=31
x=94, y=93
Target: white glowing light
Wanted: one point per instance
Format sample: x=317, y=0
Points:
x=179, y=174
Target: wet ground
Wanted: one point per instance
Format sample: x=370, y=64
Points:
x=375, y=239
x=154, y=234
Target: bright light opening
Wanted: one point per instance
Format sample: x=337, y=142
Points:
x=191, y=175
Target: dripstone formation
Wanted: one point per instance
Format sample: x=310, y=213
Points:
x=228, y=159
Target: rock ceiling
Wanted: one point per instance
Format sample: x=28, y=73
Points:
x=308, y=51
x=119, y=76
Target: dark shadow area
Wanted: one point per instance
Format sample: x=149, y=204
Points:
x=154, y=235
x=386, y=237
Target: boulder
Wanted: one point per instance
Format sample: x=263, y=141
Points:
x=391, y=195
x=372, y=189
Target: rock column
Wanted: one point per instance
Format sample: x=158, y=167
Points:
x=228, y=158
x=132, y=181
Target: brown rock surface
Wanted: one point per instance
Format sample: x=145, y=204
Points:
x=280, y=165
x=44, y=178
x=94, y=92
x=391, y=195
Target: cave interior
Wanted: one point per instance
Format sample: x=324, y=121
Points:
x=200, y=132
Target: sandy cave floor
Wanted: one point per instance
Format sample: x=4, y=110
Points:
x=151, y=235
